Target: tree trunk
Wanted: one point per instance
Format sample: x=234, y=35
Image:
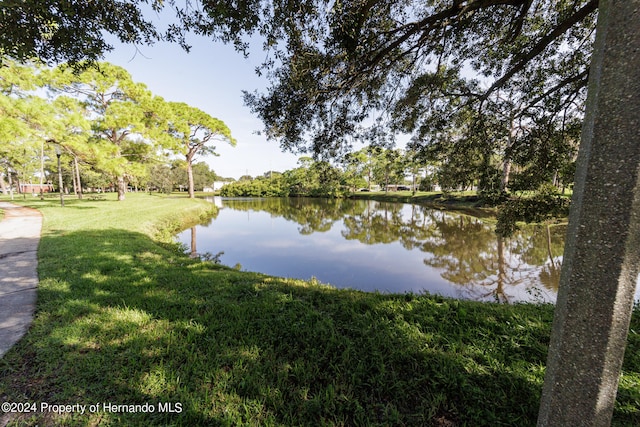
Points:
x=10, y=183
x=190, y=177
x=60, y=183
x=413, y=184
x=506, y=163
x=386, y=181
x=602, y=250
x=122, y=187
x=3, y=185
x=77, y=168
x=506, y=171
x=73, y=178
x=42, y=170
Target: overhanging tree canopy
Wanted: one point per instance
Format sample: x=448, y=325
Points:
x=74, y=30
x=398, y=65
x=414, y=65
x=71, y=30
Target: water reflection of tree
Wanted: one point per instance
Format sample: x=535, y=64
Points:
x=313, y=215
x=194, y=248
x=379, y=223
x=486, y=266
x=545, y=248
x=466, y=249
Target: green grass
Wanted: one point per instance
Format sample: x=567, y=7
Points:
x=123, y=318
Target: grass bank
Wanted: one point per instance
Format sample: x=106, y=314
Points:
x=467, y=202
x=123, y=320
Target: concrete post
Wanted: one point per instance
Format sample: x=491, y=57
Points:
x=602, y=249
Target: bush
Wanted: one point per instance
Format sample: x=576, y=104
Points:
x=493, y=197
x=545, y=204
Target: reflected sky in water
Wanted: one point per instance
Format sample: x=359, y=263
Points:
x=388, y=247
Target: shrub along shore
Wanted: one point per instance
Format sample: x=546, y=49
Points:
x=129, y=324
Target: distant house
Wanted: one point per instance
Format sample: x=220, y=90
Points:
x=398, y=187
x=35, y=188
x=217, y=185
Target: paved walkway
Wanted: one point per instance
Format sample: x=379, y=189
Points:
x=19, y=237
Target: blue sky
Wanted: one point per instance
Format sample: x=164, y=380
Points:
x=210, y=77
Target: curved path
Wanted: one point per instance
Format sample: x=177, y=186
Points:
x=19, y=237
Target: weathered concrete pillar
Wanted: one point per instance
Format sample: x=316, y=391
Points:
x=602, y=250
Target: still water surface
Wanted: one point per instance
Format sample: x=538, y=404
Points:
x=386, y=247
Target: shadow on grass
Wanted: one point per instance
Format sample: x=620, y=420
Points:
x=80, y=207
x=124, y=321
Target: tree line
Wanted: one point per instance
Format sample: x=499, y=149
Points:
x=365, y=170
x=109, y=130
x=374, y=168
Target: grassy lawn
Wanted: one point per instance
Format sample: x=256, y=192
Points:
x=123, y=318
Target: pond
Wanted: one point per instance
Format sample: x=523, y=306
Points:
x=385, y=247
